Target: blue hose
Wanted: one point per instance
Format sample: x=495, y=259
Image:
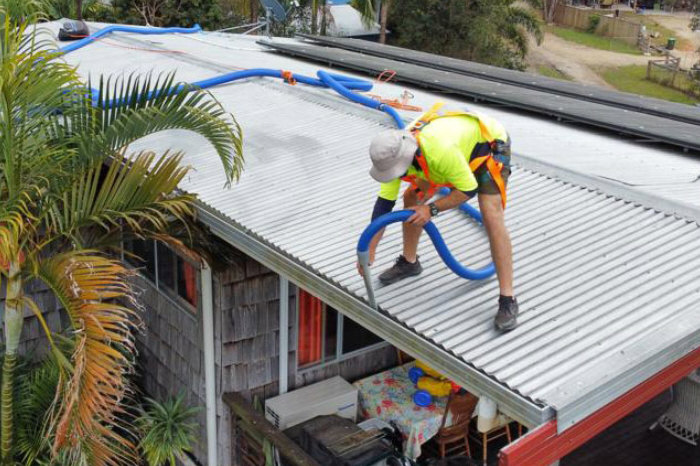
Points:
x=138, y=30
x=346, y=81
x=340, y=87
x=435, y=237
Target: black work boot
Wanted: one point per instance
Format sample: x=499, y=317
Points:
x=507, y=316
x=400, y=270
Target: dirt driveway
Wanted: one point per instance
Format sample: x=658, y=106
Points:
x=578, y=61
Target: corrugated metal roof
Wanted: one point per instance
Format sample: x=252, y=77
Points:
x=608, y=288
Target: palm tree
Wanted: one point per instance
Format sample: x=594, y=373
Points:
x=370, y=11
x=68, y=188
x=315, y=6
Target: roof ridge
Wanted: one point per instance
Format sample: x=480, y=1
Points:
x=611, y=187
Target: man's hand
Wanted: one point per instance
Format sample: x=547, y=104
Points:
x=360, y=270
x=421, y=216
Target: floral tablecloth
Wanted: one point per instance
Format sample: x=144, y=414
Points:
x=389, y=396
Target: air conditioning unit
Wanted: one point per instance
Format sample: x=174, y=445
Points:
x=331, y=396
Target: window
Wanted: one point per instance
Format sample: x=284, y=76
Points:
x=325, y=335
x=170, y=272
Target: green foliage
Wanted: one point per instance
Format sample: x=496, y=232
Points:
x=68, y=185
x=166, y=13
x=487, y=31
x=167, y=430
x=36, y=391
x=366, y=9
x=593, y=22
x=18, y=10
x=91, y=9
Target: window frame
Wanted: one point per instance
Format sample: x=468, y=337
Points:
x=170, y=294
x=339, y=355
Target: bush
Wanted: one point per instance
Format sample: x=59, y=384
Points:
x=593, y=22
x=168, y=430
x=493, y=32
x=167, y=13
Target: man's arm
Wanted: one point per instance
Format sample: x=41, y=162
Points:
x=454, y=199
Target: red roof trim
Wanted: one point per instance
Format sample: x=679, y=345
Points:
x=543, y=446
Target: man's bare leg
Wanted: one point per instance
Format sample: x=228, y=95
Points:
x=502, y=254
x=407, y=265
x=411, y=233
x=499, y=240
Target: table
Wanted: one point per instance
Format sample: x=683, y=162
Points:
x=389, y=396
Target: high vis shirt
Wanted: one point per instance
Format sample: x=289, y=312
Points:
x=447, y=143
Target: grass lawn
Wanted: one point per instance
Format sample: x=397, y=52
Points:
x=592, y=40
x=551, y=72
x=633, y=79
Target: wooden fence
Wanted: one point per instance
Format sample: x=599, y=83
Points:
x=609, y=26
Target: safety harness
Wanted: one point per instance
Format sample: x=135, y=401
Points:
x=493, y=164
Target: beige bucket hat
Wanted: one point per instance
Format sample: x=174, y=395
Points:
x=391, y=152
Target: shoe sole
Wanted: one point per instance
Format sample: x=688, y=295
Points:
x=397, y=279
x=507, y=327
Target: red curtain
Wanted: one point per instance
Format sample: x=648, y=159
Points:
x=310, y=329
x=190, y=273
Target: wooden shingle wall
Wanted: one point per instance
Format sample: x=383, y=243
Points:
x=246, y=306
x=170, y=354
x=33, y=341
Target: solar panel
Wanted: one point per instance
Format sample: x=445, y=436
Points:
x=278, y=12
x=675, y=111
x=649, y=127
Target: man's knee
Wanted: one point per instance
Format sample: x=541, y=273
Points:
x=491, y=207
x=410, y=197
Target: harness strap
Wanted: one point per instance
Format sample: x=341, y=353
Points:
x=494, y=164
x=413, y=179
x=494, y=168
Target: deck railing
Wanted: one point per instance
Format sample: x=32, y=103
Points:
x=255, y=438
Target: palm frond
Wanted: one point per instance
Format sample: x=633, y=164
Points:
x=366, y=9
x=528, y=20
x=127, y=110
x=26, y=11
x=33, y=86
x=167, y=429
x=137, y=193
x=88, y=286
x=35, y=403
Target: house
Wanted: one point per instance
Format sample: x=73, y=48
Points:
x=346, y=21
x=605, y=232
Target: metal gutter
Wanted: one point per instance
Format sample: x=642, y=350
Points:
x=284, y=335
x=512, y=404
x=209, y=365
x=548, y=443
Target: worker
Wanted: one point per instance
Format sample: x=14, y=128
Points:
x=466, y=152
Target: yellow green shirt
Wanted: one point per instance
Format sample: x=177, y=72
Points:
x=447, y=144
